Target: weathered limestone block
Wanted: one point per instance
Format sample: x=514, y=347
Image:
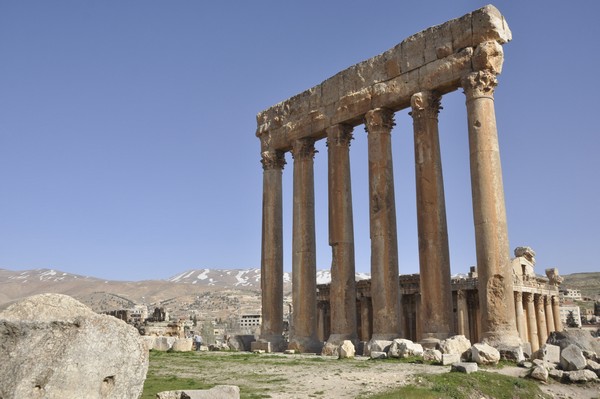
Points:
x=539, y=373
x=485, y=354
x=549, y=353
x=379, y=345
x=260, y=345
x=217, y=392
x=148, y=341
x=579, y=376
x=457, y=344
x=401, y=348
x=512, y=353
x=241, y=342
x=55, y=347
x=163, y=344
x=465, y=367
x=182, y=345
x=330, y=349
x=434, y=356
x=571, y=358
x=450, y=358
x=378, y=355
x=346, y=350
x=556, y=374
x=581, y=338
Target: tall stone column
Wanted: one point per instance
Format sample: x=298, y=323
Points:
x=435, y=313
x=272, y=250
x=489, y=213
x=520, y=314
x=558, y=326
x=341, y=237
x=549, y=314
x=303, y=337
x=540, y=316
x=462, y=313
x=382, y=215
x=365, y=318
x=531, y=323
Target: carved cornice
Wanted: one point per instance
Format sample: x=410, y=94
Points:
x=379, y=120
x=479, y=84
x=425, y=105
x=272, y=160
x=339, y=135
x=304, y=149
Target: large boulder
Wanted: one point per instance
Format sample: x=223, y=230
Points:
x=549, y=353
x=581, y=338
x=458, y=344
x=217, y=392
x=485, y=354
x=571, y=359
x=54, y=347
x=346, y=350
x=182, y=345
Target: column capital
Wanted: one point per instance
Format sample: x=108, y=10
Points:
x=479, y=84
x=425, y=104
x=461, y=294
x=555, y=300
x=339, y=135
x=303, y=149
x=518, y=296
x=527, y=297
x=378, y=120
x=539, y=300
x=272, y=159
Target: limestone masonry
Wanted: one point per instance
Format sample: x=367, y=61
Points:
x=462, y=53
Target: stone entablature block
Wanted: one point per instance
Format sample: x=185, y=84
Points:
x=432, y=60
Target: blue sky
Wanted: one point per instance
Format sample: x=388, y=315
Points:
x=127, y=130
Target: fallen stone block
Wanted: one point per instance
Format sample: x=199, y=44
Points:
x=539, y=373
x=183, y=345
x=484, y=354
x=217, y=392
x=450, y=358
x=260, y=345
x=556, y=374
x=346, y=350
x=571, y=358
x=401, y=348
x=579, y=376
x=456, y=344
x=550, y=353
x=434, y=356
x=378, y=355
x=465, y=367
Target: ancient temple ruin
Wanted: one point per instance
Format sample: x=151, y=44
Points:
x=462, y=53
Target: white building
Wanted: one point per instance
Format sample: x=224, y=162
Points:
x=564, y=313
x=250, y=320
x=569, y=294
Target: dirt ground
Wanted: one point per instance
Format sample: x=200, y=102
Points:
x=311, y=376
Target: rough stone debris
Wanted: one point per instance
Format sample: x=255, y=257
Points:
x=216, y=392
x=378, y=355
x=539, y=373
x=484, y=354
x=54, y=347
x=549, y=353
x=581, y=338
x=450, y=358
x=580, y=376
x=182, y=345
x=435, y=356
x=401, y=348
x=571, y=358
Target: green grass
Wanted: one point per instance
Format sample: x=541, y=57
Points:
x=466, y=386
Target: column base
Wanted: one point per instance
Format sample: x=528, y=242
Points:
x=276, y=340
x=335, y=341
x=432, y=340
x=305, y=345
x=506, y=338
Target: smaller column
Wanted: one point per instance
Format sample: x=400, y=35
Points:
x=531, y=323
x=365, y=318
x=549, y=314
x=461, y=313
x=521, y=321
x=556, y=312
x=540, y=316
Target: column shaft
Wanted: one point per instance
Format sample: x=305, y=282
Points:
x=520, y=315
x=531, y=323
x=556, y=312
x=549, y=314
x=540, y=316
x=382, y=215
x=304, y=263
x=462, y=313
x=341, y=236
x=435, y=313
x=272, y=249
x=489, y=214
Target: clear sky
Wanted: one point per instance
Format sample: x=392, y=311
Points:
x=127, y=130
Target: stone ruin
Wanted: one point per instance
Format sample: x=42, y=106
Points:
x=462, y=53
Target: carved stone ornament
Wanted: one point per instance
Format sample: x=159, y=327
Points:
x=272, y=160
x=425, y=105
x=339, y=135
x=304, y=149
x=527, y=297
x=378, y=119
x=479, y=84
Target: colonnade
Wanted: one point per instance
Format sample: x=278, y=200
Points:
x=537, y=315
x=416, y=74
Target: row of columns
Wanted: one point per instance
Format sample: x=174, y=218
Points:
x=436, y=321
x=537, y=315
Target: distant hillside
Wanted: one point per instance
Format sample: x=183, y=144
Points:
x=587, y=283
